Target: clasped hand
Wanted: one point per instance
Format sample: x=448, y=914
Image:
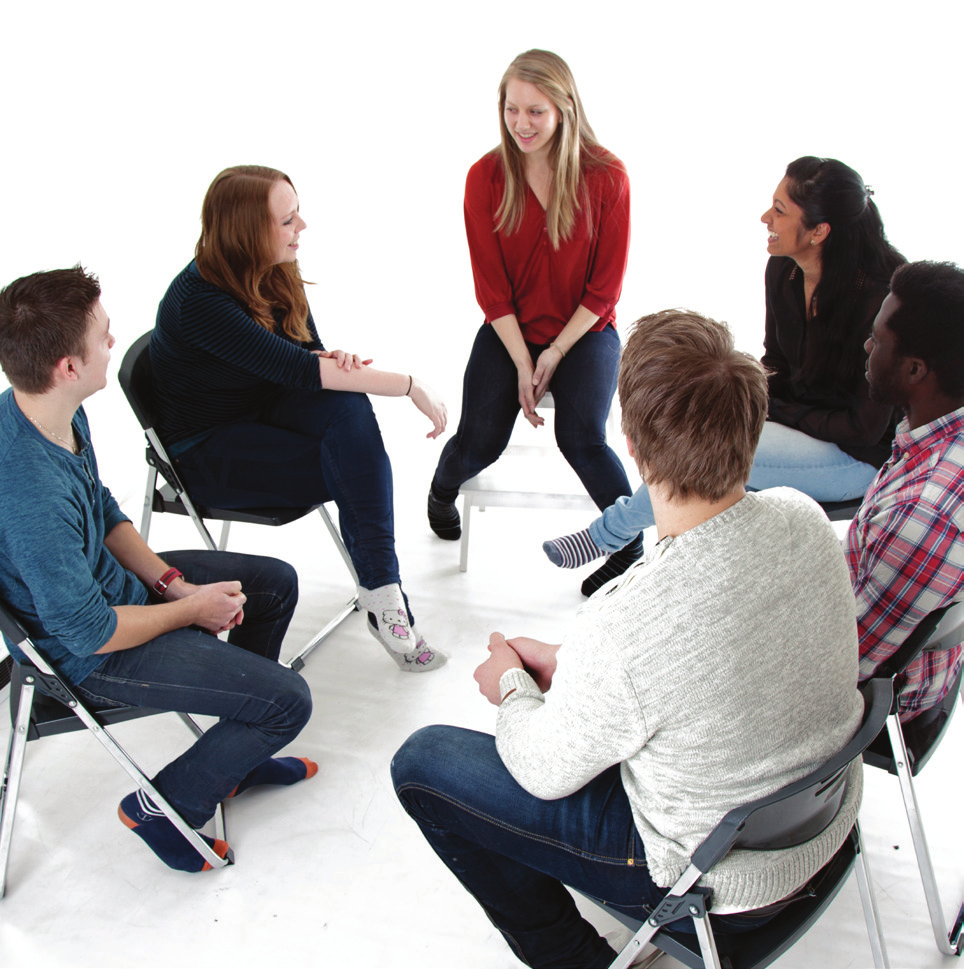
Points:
x=537, y=658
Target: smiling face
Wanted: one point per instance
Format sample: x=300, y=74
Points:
x=530, y=117
x=788, y=236
x=286, y=223
x=883, y=358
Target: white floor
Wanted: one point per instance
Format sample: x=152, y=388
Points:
x=332, y=873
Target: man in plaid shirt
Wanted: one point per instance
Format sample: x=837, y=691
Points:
x=904, y=548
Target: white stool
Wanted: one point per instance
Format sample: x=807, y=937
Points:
x=527, y=476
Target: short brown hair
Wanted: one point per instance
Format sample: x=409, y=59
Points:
x=693, y=406
x=43, y=318
x=234, y=252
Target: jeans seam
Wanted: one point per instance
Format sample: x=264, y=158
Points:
x=496, y=822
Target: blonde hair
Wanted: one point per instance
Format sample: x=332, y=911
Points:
x=235, y=251
x=568, y=154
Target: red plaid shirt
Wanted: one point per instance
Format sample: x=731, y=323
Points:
x=906, y=554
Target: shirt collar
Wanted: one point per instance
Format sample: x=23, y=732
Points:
x=950, y=425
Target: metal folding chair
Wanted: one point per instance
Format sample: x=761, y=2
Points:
x=788, y=817
x=42, y=704
x=170, y=495
x=914, y=742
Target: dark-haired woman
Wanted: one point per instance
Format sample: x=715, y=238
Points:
x=829, y=271
x=257, y=412
x=547, y=220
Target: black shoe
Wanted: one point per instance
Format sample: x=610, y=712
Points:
x=616, y=564
x=444, y=519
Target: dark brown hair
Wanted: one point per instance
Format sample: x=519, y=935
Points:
x=693, y=406
x=44, y=317
x=235, y=251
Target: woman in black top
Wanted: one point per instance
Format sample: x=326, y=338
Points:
x=829, y=271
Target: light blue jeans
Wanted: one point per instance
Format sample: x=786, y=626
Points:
x=785, y=457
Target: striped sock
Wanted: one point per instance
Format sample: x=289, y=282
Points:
x=151, y=824
x=571, y=551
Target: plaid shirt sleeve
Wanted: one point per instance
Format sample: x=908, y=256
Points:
x=906, y=562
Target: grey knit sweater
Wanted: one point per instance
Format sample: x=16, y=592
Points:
x=718, y=669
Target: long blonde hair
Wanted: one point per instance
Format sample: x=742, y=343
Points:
x=235, y=250
x=568, y=154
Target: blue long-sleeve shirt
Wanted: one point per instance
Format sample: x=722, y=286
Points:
x=56, y=574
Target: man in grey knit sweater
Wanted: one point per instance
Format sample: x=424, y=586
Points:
x=719, y=668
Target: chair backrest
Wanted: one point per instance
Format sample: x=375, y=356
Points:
x=939, y=630
x=801, y=810
x=137, y=380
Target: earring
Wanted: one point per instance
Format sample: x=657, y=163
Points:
x=813, y=242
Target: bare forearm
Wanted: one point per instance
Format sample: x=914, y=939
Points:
x=580, y=323
x=137, y=625
x=508, y=331
x=133, y=553
x=363, y=380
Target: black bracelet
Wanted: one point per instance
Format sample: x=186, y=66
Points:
x=411, y=380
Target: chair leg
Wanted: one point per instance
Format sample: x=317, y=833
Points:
x=948, y=942
x=148, y=502
x=704, y=933
x=868, y=900
x=466, y=522
x=339, y=544
x=12, y=772
x=225, y=533
x=220, y=825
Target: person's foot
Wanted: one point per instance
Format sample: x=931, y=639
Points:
x=571, y=551
x=390, y=622
x=443, y=517
x=139, y=813
x=615, y=565
x=278, y=770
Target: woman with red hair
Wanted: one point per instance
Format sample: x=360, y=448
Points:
x=255, y=410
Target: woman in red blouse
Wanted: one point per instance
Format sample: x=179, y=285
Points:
x=547, y=220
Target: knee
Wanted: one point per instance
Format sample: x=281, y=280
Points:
x=294, y=702
x=433, y=757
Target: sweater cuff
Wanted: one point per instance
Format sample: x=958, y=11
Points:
x=518, y=681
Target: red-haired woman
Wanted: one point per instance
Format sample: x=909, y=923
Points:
x=257, y=412
x=547, y=220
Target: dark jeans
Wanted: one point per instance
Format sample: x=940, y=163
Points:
x=303, y=448
x=582, y=386
x=513, y=851
x=262, y=705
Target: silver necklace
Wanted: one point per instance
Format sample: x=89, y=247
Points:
x=71, y=446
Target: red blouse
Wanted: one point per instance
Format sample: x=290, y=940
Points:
x=522, y=274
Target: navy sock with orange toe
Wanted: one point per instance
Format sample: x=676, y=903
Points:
x=278, y=770
x=151, y=824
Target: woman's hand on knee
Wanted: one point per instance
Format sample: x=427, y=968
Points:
x=430, y=404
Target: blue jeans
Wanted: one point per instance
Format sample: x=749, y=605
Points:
x=582, y=386
x=262, y=705
x=513, y=851
x=786, y=456
x=304, y=448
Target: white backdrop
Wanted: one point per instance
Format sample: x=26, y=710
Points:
x=116, y=116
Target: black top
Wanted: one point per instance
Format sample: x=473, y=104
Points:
x=214, y=364
x=858, y=425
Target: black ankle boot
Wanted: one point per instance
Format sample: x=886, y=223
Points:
x=616, y=564
x=444, y=519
